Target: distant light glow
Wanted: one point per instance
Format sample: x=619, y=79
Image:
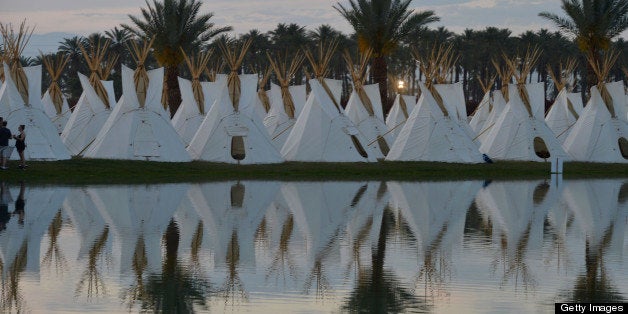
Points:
x=401, y=85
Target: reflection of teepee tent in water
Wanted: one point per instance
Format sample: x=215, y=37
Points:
x=174, y=289
x=362, y=227
x=600, y=210
x=85, y=217
x=435, y=215
x=517, y=211
x=92, y=279
x=134, y=214
x=236, y=208
x=377, y=289
x=320, y=212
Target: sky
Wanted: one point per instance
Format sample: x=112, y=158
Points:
x=63, y=17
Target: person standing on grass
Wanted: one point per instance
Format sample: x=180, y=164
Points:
x=20, y=145
x=5, y=150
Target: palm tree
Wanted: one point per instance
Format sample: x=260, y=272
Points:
x=380, y=25
x=593, y=23
x=175, y=25
x=72, y=86
x=119, y=39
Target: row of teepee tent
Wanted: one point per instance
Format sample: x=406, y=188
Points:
x=227, y=119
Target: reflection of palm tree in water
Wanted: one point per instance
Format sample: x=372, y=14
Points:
x=435, y=266
x=377, y=290
x=176, y=289
x=11, y=295
x=54, y=253
x=283, y=257
x=233, y=286
x=91, y=275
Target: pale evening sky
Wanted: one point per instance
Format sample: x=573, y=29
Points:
x=88, y=16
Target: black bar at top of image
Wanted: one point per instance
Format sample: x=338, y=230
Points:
x=590, y=308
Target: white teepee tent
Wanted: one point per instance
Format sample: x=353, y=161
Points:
x=43, y=141
x=520, y=133
x=601, y=132
x=567, y=105
x=231, y=131
x=399, y=113
x=54, y=102
x=431, y=134
x=564, y=113
x=139, y=127
x=322, y=132
x=498, y=104
x=196, y=99
x=95, y=104
x=286, y=102
x=364, y=108
x=599, y=135
x=481, y=113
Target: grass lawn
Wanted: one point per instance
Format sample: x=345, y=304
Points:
x=97, y=171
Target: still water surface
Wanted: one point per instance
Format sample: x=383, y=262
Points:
x=310, y=247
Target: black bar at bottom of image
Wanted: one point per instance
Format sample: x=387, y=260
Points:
x=590, y=308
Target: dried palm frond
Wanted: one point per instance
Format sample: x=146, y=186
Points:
x=602, y=67
x=505, y=75
x=566, y=71
x=320, y=65
x=55, y=66
x=436, y=68
x=261, y=92
x=358, y=74
x=197, y=64
x=140, y=77
x=14, y=44
x=284, y=73
x=521, y=68
x=234, y=55
x=488, y=84
x=99, y=67
x=213, y=68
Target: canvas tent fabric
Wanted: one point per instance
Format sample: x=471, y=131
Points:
x=188, y=117
x=399, y=113
x=43, y=141
x=88, y=117
x=481, y=114
x=323, y=133
x=597, y=135
x=139, y=133
x=216, y=137
x=453, y=98
x=563, y=114
x=277, y=122
x=372, y=127
x=429, y=135
x=499, y=103
x=59, y=119
x=519, y=134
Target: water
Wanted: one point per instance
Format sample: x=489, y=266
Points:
x=314, y=247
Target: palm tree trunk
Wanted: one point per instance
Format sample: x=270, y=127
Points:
x=172, y=88
x=380, y=72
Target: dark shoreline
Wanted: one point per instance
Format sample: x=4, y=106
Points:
x=99, y=171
